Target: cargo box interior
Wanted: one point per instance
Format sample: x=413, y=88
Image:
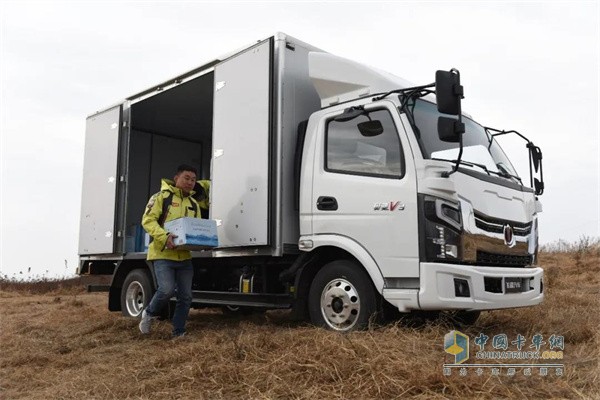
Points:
x=170, y=128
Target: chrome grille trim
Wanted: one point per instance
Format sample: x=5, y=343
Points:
x=496, y=225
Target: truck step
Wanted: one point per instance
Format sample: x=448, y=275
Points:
x=259, y=300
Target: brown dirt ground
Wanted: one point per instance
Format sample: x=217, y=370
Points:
x=66, y=344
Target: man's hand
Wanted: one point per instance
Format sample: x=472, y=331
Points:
x=170, y=244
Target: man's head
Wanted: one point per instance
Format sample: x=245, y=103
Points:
x=185, y=178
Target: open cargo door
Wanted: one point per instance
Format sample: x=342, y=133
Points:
x=98, y=200
x=241, y=133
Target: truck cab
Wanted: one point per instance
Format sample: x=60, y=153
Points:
x=429, y=239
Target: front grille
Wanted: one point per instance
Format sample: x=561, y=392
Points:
x=502, y=260
x=496, y=225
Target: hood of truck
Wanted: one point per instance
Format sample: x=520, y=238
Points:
x=499, y=216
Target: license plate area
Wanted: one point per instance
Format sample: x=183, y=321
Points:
x=514, y=285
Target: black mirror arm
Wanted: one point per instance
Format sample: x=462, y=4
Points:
x=405, y=98
x=350, y=113
x=502, y=132
x=410, y=89
x=534, y=162
x=446, y=174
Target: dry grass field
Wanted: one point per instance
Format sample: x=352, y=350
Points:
x=62, y=343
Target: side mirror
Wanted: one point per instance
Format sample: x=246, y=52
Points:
x=450, y=129
x=448, y=91
x=539, y=186
x=536, y=156
x=370, y=128
x=349, y=114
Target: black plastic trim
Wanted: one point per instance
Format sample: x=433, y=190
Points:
x=298, y=162
x=272, y=143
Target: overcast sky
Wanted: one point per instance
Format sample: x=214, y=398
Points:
x=529, y=66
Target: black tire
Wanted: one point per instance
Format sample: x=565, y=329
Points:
x=136, y=293
x=342, y=297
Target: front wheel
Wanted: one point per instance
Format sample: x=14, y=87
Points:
x=136, y=292
x=342, y=297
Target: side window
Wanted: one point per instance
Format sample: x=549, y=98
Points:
x=348, y=151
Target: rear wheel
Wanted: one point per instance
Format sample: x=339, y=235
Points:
x=136, y=292
x=342, y=297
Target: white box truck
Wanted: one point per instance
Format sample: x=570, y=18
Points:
x=339, y=190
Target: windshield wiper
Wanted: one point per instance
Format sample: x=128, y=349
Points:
x=469, y=163
x=502, y=171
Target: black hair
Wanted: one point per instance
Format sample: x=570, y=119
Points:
x=185, y=167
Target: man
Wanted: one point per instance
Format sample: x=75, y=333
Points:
x=172, y=267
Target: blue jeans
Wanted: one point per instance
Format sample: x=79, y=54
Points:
x=171, y=275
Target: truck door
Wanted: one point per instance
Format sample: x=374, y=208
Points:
x=100, y=180
x=364, y=188
x=241, y=138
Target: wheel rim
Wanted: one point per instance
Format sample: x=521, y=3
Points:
x=340, y=305
x=134, y=298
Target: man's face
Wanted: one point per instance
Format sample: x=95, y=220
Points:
x=185, y=181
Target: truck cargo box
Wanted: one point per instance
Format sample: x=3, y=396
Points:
x=235, y=120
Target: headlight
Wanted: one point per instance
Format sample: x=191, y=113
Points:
x=440, y=228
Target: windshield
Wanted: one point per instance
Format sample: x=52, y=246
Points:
x=476, y=141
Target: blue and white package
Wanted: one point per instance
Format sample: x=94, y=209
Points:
x=193, y=233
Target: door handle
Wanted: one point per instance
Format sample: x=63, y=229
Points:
x=327, y=203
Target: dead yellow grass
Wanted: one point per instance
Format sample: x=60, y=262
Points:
x=65, y=345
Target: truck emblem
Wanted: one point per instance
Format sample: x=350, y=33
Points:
x=388, y=206
x=509, y=236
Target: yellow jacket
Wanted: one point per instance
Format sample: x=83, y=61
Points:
x=202, y=189
x=181, y=206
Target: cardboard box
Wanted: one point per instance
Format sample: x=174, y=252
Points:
x=193, y=233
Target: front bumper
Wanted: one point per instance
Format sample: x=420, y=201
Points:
x=437, y=287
